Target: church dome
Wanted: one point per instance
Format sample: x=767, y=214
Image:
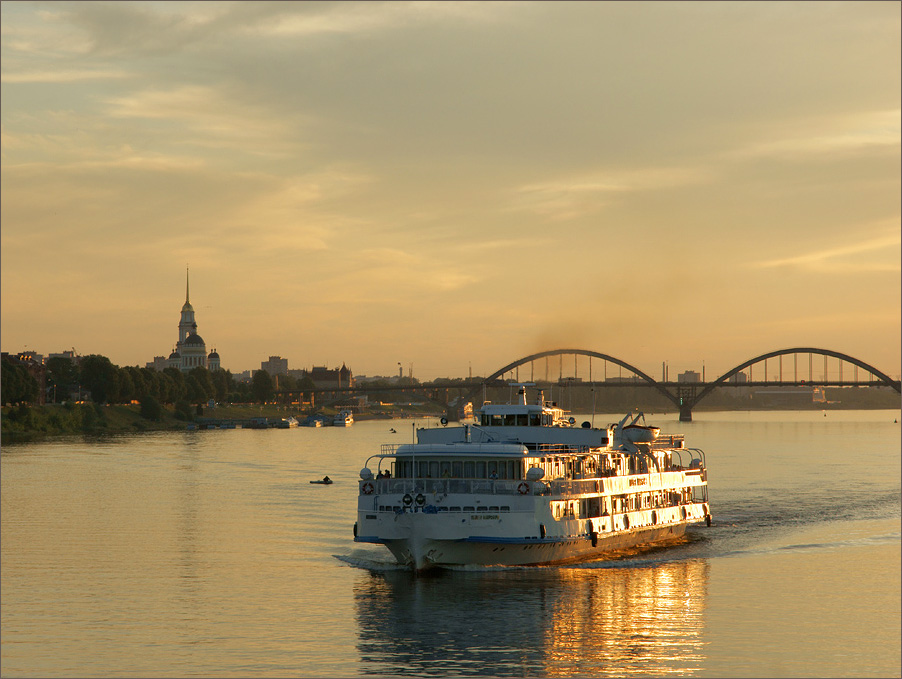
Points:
x=213, y=354
x=174, y=354
x=194, y=340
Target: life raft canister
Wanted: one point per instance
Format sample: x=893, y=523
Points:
x=368, y=488
x=421, y=499
x=407, y=499
x=523, y=488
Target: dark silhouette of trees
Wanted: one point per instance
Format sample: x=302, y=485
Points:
x=18, y=385
x=101, y=378
x=200, y=385
x=262, y=387
x=61, y=378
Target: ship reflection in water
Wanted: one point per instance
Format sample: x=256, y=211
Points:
x=602, y=619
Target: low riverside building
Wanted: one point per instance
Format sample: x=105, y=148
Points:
x=338, y=378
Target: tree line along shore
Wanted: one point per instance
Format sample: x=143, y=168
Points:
x=94, y=396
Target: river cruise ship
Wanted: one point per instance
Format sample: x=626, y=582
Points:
x=526, y=486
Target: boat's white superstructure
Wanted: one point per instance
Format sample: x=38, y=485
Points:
x=526, y=486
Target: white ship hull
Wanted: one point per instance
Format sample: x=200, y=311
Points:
x=509, y=528
x=421, y=552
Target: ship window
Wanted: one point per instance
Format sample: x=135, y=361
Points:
x=480, y=471
x=497, y=421
x=493, y=468
x=522, y=420
x=510, y=420
x=469, y=509
x=534, y=420
x=446, y=469
x=455, y=509
x=433, y=470
x=491, y=509
x=423, y=470
x=505, y=509
x=457, y=470
x=468, y=470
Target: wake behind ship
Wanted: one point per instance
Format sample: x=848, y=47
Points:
x=526, y=486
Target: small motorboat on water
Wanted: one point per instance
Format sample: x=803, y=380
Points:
x=325, y=481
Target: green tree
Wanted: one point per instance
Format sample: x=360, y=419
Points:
x=176, y=390
x=62, y=378
x=151, y=409
x=262, y=387
x=223, y=384
x=200, y=385
x=126, y=386
x=18, y=385
x=151, y=383
x=100, y=377
x=139, y=386
x=183, y=410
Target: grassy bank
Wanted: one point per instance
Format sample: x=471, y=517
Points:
x=29, y=423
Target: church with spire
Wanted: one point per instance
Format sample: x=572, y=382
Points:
x=190, y=350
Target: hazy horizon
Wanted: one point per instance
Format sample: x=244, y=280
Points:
x=453, y=185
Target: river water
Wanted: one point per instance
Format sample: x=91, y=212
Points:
x=210, y=554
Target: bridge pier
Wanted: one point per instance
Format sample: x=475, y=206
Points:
x=685, y=414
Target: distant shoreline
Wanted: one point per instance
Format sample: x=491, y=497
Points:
x=35, y=423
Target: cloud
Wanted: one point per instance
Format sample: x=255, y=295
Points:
x=62, y=75
x=883, y=251
x=866, y=130
x=211, y=117
x=575, y=196
x=307, y=19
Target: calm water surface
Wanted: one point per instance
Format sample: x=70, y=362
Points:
x=209, y=554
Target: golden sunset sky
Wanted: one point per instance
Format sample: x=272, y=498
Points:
x=452, y=185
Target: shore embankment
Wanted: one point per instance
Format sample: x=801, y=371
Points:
x=29, y=423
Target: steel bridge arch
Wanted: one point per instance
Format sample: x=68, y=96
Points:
x=580, y=352
x=886, y=379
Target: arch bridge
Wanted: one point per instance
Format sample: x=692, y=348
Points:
x=686, y=395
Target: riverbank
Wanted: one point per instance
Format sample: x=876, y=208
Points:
x=21, y=423
x=31, y=423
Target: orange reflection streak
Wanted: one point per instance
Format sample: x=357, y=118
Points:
x=644, y=620
x=590, y=620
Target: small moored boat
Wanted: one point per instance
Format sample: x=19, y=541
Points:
x=343, y=419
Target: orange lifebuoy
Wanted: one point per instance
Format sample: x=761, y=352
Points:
x=523, y=488
x=367, y=488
